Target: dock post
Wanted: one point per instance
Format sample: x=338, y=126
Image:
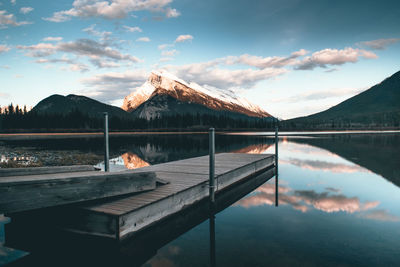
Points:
x=276, y=164
x=106, y=144
x=212, y=163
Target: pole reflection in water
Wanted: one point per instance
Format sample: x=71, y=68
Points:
x=276, y=190
x=212, y=239
x=276, y=164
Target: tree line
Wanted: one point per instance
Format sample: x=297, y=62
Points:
x=14, y=119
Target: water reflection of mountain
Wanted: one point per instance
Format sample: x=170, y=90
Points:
x=378, y=153
x=132, y=161
x=176, y=147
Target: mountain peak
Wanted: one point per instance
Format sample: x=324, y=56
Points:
x=161, y=82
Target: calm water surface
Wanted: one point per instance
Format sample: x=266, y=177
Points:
x=339, y=199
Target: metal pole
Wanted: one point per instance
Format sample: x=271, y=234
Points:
x=106, y=144
x=212, y=163
x=276, y=164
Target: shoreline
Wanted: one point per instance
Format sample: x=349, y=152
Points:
x=35, y=136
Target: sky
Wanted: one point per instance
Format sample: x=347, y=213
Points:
x=290, y=57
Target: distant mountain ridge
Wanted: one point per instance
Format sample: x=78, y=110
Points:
x=146, y=103
x=380, y=104
x=58, y=104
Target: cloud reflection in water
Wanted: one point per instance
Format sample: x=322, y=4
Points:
x=306, y=200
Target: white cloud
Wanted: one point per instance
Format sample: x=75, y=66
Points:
x=208, y=73
x=132, y=29
x=39, y=50
x=143, y=39
x=166, y=59
x=114, y=9
x=99, y=54
x=104, y=36
x=169, y=53
x=268, y=62
x=164, y=46
x=4, y=48
x=321, y=94
x=94, y=49
x=26, y=10
x=172, y=13
x=328, y=56
x=379, y=44
x=13, y=2
x=183, y=38
x=113, y=86
x=52, y=39
x=10, y=20
x=4, y=95
x=74, y=65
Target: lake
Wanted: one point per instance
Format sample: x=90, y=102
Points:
x=339, y=197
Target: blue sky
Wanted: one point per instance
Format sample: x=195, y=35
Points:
x=291, y=57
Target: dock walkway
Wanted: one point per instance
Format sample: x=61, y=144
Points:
x=185, y=182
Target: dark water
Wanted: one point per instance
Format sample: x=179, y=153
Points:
x=339, y=200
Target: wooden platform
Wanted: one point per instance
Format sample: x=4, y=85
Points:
x=35, y=188
x=187, y=180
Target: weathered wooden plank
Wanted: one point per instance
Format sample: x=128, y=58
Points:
x=21, y=195
x=45, y=170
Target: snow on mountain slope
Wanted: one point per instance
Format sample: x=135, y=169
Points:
x=162, y=82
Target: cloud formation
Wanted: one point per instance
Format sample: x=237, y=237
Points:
x=169, y=53
x=208, y=73
x=172, y=13
x=74, y=65
x=379, y=44
x=26, y=10
x=183, y=38
x=322, y=94
x=99, y=54
x=114, y=85
x=113, y=9
x=10, y=20
x=216, y=72
x=104, y=36
x=327, y=57
x=4, y=48
x=143, y=39
x=268, y=62
x=52, y=39
x=132, y=29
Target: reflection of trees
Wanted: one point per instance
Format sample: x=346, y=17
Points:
x=378, y=153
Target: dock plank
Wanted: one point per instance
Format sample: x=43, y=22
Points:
x=22, y=193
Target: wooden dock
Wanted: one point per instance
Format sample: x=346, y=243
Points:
x=180, y=185
x=187, y=183
x=54, y=247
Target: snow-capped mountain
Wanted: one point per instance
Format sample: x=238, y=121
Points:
x=161, y=86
